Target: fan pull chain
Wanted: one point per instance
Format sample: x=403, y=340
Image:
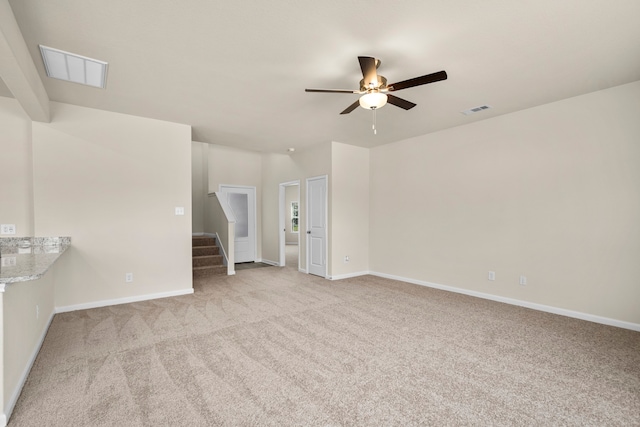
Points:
x=375, y=132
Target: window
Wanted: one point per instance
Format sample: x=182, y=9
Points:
x=294, y=217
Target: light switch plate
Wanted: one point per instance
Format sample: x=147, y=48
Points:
x=7, y=229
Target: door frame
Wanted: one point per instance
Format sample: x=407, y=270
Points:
x=282, y=241
x=326, y=225
x=255, y=213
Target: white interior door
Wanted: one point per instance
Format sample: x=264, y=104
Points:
x=242, y=201
x=317, y=226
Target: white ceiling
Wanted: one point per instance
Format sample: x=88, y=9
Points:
x=236, y=70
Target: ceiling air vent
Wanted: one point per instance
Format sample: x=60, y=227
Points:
x=74, y=68
x=475, y=109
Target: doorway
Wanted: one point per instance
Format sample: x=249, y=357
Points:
x=242, y=201
x=289, y=224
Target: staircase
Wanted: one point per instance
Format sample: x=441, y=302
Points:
x=206, y=257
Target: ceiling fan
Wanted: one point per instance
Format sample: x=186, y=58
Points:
x=375, y=90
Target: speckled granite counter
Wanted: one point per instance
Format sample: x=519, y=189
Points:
x=28, y=258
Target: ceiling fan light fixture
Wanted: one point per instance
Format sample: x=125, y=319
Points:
x=373, y=100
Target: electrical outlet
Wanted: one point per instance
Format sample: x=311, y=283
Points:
x=7, y=229
x=8, y=261
x=346, y=258
x=523, y=280
x=128, y=277
x=179, y=210
x=492, y=275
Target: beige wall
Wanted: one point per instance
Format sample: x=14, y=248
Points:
x=311, y=162
x=279, y=168
x=276, y=169
x=347, y=168
x=350, y=209
x=232, y=166
x=16, y=169
x=199, y=184
x=552, y=193
x=111, y=182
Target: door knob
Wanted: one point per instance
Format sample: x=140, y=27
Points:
x=309, y=232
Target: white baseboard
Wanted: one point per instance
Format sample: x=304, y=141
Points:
x=302, y=270
x=197, y=234
x=348, y=275
x=126, y=300
x=25, y=373
x=268, y=261
x=513, y=301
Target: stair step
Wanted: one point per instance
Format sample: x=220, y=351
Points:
x=207, y=260
x=215, y=270
x=205, y=250
x=203, y=241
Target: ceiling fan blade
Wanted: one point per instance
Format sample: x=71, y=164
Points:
x=332, y=90
x=351, y=107
x=368, y=67
x=399, y=102
x=417, y=81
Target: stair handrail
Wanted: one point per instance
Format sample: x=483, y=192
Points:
x=223, y=225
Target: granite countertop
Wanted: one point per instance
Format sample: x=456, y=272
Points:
x=29, y=258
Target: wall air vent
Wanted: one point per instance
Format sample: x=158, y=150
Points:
x=475, y=110
x=74, y=68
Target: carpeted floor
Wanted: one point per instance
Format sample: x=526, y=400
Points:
x=250, y=265
x=291, y=259
x=274, y=347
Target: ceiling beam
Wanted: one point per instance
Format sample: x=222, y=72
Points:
x=17, y=69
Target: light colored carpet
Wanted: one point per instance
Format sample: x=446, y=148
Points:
x=250, y=265
x=274, y=347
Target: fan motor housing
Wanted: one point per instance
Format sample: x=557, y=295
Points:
x=382, y=84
